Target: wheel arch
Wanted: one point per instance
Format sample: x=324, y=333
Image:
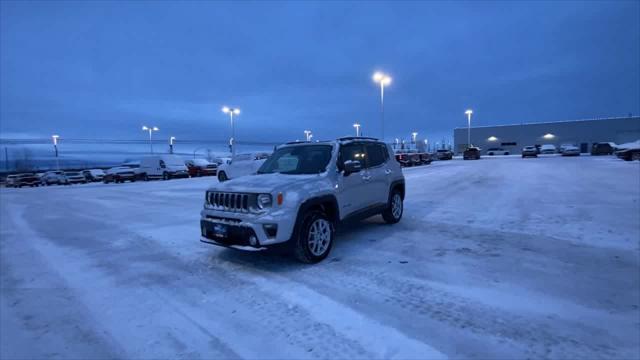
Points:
x=399, y=185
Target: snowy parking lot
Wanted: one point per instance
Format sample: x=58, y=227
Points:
x=498, y=258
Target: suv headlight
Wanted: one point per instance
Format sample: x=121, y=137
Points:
x=264, y=201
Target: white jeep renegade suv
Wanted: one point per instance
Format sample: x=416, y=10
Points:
x=301, y=193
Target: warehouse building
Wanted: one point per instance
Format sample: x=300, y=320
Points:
x=582, y=133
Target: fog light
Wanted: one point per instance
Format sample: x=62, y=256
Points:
x=253, y=241
x=270, y=229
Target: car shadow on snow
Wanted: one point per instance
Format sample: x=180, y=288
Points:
x=349, y=236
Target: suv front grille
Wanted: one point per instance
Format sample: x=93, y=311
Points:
x=225, y=201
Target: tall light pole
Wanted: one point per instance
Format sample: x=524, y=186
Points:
x=150, y=129
x=307, y=135
x=413, y=136
x=383, y=80
x=357, y=126
x=55, y=147
x=171, y=141
x=232, y=141
x=468, y=112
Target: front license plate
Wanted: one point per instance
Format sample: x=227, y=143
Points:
x=219, y=230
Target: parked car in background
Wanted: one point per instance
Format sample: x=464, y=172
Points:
x=403, y=158
x=201, y=167
x=529, y=151
x=497, y=151
x=241, y=165
x=119, y=174
x=162, y=166
x=548, y=149
x=425, y=158
x=10, y=181
x=75, y=177
x=414, y=157
x=93, y=175
x=602, y=148
x=570, y=150
x=53, y=177
x=629, y=154
x=444, y=154
x=471, y=153
x=27, y=179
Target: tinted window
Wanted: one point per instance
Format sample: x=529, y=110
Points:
x=376, y=154
x=352, y=152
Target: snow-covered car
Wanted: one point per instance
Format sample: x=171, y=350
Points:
x=93, y=174
x=301, y=193
x=53, y=177
x=10, y=181
x=548, y=149
x=471, y=153
x=162, y=166
x=20, y=180
x=570, y=150
x=529, y=151
x=75, y=177
x=629, y=153
x=201, y=167
x=497, y=151
x=444, y=154
x=241, y=165
x=119, y=174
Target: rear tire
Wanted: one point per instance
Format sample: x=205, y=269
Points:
x=395, y=208
x=635, y=156
x=222, y=176
x=315, y=238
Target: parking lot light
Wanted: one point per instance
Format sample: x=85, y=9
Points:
x=171, y=140
x=307, y=135
x=150, y=129
x=232, y=141
x=469, y=112
x=549, y=136
x=413, y=136
x=55, y=148
x=357, y=126
x=492, y=138
x=384, y=80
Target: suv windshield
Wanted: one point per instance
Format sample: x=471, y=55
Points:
x=306, y=159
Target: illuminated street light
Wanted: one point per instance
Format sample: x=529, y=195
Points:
x=549, y=136
x=150, y=130
x=232, y=141
x=171, y=141
x=469, y=112
x=492, y=138
x=413, y=136
x=55, y=147
x=384, y=80
x=357, y=126
x=307, y=135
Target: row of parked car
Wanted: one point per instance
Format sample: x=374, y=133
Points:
x=160, y=166
x=413, y=157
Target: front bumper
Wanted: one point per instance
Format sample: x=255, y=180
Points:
x=244, y=230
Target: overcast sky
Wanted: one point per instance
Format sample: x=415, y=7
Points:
x=102, y=70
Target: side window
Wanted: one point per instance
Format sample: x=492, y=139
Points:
x=352, y=152
x=376, y=155
x=162, y=164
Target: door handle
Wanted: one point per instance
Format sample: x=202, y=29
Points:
x=366, y=178
x=388, y=171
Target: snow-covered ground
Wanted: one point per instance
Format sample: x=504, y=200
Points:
x=497, y=258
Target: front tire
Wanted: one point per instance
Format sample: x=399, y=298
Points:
x=315, y=238
x=222, y=176
x=393, y=213
x=165, y=176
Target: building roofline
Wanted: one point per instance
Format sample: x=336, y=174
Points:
x=553, y=122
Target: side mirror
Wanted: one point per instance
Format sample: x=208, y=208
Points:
x=352, y=166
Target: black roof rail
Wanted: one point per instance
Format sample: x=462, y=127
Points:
x=357, y=138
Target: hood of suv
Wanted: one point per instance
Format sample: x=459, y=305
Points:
x=267, y=183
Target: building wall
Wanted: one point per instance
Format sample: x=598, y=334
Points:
x=582, y=133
